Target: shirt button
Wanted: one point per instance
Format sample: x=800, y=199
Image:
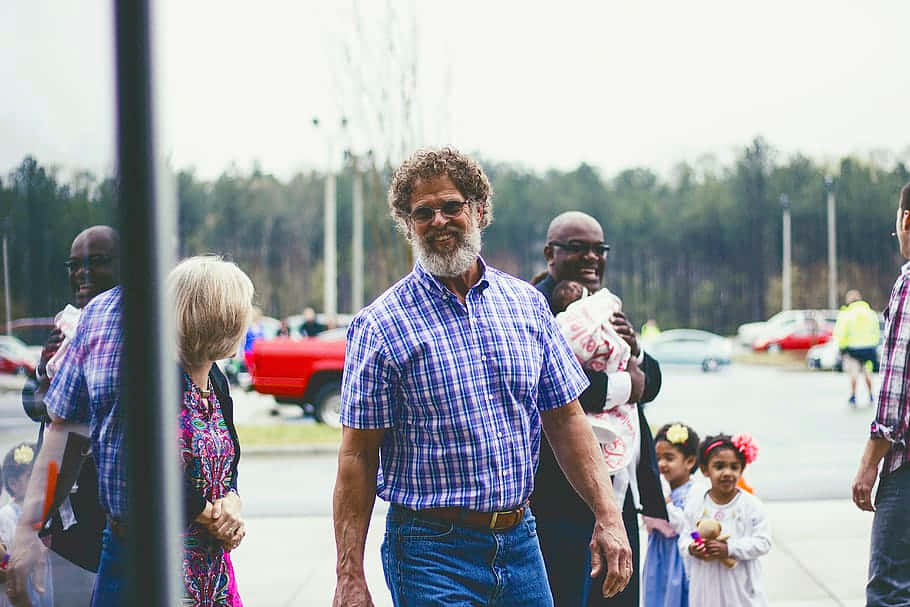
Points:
x=499, y=434
x=489, y=397
x=483, y=358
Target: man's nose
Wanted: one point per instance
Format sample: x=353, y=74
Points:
x=439, y=218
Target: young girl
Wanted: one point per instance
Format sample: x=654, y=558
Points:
x=664, y=578
x=711, y=582
x=17, y=467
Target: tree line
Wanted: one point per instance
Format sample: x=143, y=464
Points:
x=700, y=248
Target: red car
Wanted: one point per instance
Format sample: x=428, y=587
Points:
x=15, y=356
x=801, y=337
x=306, y=372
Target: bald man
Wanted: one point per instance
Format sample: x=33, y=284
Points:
x=94, y=267
x=576, y=250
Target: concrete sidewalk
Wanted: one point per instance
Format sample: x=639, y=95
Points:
x=818, y=559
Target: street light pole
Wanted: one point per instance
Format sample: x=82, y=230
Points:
x=329, y=248
x=786, y=282
x=832, y=245
x=9, y=322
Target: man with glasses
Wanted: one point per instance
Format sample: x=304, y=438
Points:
x=575, y=250
x=94, y=272
x=449, y=377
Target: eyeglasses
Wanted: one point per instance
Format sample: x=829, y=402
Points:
x=450, y=209
x=576, y=248
x=92, y=262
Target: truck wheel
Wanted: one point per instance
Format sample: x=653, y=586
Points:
x=328, y=405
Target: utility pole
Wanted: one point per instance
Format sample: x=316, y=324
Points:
x=9, y=322
x=786, y=281
x=357, y=245
x=832, y=245
x=329, y=252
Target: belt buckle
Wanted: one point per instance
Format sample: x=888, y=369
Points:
x=493, y=521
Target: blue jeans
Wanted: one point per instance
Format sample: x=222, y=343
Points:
x=110, y=585
x=889, y=559
x=429, y=563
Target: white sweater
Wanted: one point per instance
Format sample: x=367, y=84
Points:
x=713, y=584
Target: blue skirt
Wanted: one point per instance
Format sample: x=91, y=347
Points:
x=664, y=578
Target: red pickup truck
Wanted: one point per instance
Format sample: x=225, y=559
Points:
x=306, y=372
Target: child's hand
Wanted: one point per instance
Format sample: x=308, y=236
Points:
x=697, y=550
x=716, y=550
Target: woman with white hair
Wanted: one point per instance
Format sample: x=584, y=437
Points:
x=213, y=301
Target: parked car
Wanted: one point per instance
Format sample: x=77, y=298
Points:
x=306, y=372
x=827, y=356
x=751, y=332
x=800, y=336
x=16, y=357
x=690, y=347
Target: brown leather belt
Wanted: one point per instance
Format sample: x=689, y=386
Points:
x=118, y=526
x=494, y=521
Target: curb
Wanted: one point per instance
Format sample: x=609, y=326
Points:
x=290, y=450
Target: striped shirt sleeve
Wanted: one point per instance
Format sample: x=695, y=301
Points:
x=370, y=379
x=891, y=418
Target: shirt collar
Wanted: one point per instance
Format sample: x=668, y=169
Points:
x=434, y=284
x=905, y=269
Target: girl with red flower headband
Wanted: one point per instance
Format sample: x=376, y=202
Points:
x=722, y=459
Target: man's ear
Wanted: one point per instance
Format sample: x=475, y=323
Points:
x=548, y=252
x=905, y=220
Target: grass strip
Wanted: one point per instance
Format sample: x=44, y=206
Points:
x=287, y=434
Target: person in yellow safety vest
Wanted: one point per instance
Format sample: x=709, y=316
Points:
x=650, y=330
x=857, y=333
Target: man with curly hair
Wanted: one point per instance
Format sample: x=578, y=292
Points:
x=450, y=376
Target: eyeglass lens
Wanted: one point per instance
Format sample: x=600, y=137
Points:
x=450, y=209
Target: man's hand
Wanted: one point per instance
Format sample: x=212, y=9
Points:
x=862, y=487
x=352, y=591
x=626, y=331
x=638, y=381
x=26, y=558
x=54, y=340
x=610, y=547
x=875, y=450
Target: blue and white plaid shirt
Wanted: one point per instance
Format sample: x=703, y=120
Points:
x=86, y=390
x=460, y=388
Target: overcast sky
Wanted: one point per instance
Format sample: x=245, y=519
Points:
x=615, y=84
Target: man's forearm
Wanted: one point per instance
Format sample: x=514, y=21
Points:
x=51, y=451
x=352, y=505
x=876, y=449
x=572, y=440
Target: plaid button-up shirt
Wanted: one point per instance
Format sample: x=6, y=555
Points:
x=459, y=387
x=86, y=390
x=893, y=415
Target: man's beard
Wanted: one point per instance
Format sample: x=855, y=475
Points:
x=454, y=263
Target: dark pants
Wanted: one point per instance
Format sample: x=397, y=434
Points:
x=889, y=559
x=110, y=585
x=429, y=563
x=564, y=543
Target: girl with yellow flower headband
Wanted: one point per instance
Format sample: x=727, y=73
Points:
x=664, y=577
x=17, y=468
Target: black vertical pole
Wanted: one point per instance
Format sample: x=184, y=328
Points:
x=148, y=377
